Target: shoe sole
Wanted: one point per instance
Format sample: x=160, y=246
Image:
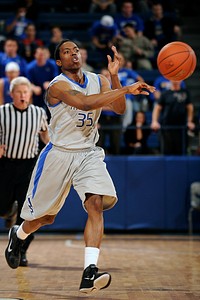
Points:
x=100, y=283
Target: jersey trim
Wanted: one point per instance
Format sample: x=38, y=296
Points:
x=81, y=85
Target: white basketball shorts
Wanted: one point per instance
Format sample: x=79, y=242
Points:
x=54, y=173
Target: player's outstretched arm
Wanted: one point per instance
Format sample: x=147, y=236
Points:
x=60, y=92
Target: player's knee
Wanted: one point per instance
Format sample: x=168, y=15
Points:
x=94, y=203
x=47, y=220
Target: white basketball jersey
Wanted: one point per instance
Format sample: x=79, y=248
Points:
x=72, y=128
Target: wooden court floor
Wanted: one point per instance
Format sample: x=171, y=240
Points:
x=165, y=267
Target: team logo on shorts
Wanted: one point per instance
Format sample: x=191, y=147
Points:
x=30, y=205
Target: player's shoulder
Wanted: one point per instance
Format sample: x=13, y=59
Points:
x=58, y=79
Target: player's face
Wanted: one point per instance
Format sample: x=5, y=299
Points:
x=21, y=95
x=70, y=57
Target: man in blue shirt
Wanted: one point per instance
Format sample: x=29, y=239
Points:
x=127, y=16
x=40, y=72
x=10, y=55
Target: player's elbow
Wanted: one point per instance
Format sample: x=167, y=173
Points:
x=87, y=107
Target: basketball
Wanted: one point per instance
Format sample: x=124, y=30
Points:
x=176, y=61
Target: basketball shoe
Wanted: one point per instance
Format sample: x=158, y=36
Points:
x=13, y=250
x=93, y=281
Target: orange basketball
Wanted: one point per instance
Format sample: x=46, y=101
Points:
x=176, y=61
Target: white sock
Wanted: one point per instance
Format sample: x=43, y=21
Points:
x=21, y=234
x=91, y=256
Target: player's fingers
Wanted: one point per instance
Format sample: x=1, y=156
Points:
x=148, y=87
x=144, y=93
x=109, y=58
x=116, y=54
x=151, y=89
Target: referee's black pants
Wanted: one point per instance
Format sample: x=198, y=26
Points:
x=15, y=175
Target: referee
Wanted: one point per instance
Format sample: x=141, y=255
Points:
x=22, y=125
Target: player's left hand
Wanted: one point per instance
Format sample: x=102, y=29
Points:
x=113, y=65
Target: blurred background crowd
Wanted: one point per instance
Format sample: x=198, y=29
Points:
x=158, y=124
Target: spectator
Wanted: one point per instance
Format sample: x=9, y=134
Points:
x=161, y=28
x=15, y=26
x=103, y=6
x=56, y=38
x=162, y=84
x=19, y=149
x=136, y=135
x=143, y=8
x=176, y=110
x=109, y=126
x=12, y=71
x=9, y=54
x=128, y=76
x=103, y=35
x=30, y=43
x=85, y=65
x=40, y=72
x=32, y=9
x=127, y=15
x=136, y=48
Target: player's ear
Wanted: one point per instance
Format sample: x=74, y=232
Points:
x=58, y=62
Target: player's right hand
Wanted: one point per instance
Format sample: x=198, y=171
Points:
x=141, y=88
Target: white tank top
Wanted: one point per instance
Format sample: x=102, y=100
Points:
x=72, y=128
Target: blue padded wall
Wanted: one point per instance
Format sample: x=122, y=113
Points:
x=153, y=194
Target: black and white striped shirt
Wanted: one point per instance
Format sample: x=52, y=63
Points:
x=19, y=130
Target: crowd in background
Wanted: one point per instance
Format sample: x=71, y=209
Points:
x=139, y=29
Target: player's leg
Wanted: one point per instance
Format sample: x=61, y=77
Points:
x=90, y=181
x=24, y=171
x=48, y=188
x=17, y=236
x=93, y=233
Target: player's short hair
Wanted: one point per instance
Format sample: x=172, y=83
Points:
x=18, y=81
x=57, y=50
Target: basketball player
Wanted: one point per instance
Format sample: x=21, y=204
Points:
x=74, y=99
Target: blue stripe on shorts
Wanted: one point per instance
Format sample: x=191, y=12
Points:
x=40, y=167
